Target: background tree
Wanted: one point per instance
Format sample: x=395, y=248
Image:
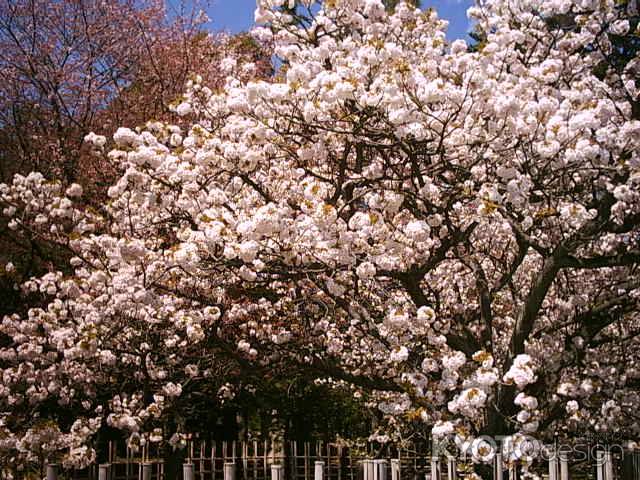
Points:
x=75, y=67
x=61, y=63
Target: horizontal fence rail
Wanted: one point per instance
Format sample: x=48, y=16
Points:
x=256, y=460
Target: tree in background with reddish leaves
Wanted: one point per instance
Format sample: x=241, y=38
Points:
x=72, y=67
x=62, y=62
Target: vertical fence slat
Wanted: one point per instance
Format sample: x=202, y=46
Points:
x=229, y=471
x=318, y=471
x=380, y=470
x=553, y=466
x=277, y=472
x=497, y=467
x=350, y=463
x=52, y=471
x=608, y=465
x=564, y=466
x=213, y=460
x=395, y=469
x=435, y=468
x=201, y=468
x=307, y=459
x=188, y=471
x=367, y=469
x=233, y=451
x=146, y=470
x=104, y=471
x=264, y=461
x=328, y=447
x=452, y=472
x=254, y=458
x=600, y=465
x=245, y=459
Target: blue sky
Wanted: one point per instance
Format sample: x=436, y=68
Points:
x=237, y=15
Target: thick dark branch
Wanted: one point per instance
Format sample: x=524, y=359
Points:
x=591, y=322
x=411, y=283
x=467, y=343
x=552, y=264
x=484, y=297
x=623, y=259
x=631, y=222
x=523, y=238
x=607, y=312
x=263, y=193
x=526, y=319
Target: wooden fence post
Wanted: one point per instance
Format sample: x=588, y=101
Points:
x=147, y=469
x=452, y=472
x=318, y=472
x=498, y=470
x=608, y=465
x=395, y=469
x=188, y=471
x=553, y=466
x=435, y=468
x=104, y=471
x=52, y=471
x=379, y=470
x=600, y=475
x=229, y=471
x=367, y=469
x=564, y=466
x=277, y=472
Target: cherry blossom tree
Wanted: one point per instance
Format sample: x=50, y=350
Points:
x=450, y=233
